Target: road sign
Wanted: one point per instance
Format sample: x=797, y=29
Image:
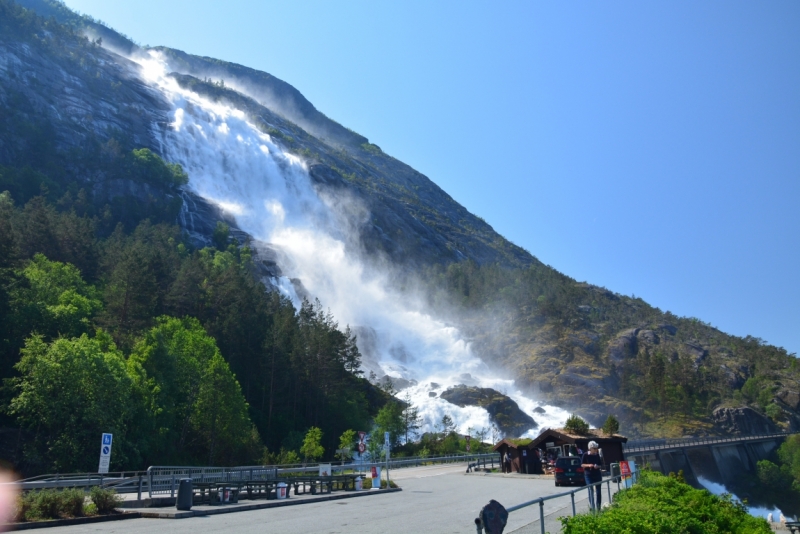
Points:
x=386, y=438
x=361, y=436
x=105, y=453
x=467, y=438
x=361, y=448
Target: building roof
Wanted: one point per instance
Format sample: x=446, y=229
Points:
x=593, y=434
x=514, y=443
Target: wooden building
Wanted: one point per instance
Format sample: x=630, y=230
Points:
x=524, y=459
x=558, y=440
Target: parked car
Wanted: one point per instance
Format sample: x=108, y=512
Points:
x=568, y=471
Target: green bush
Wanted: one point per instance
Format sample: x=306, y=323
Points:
x=71, y=502
x=49, y=504
x=41, y=504
x=105, y=499
x=660, y=504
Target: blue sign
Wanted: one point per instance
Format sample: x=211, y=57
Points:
x=106, y=439
x=106, y=449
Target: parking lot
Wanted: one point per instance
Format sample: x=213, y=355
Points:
x=438, y=499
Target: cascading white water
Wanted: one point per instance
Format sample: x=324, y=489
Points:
x=270, y=195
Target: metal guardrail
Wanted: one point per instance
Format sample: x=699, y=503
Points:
x=541, y=500
x=665, y=444
x=79, y=480
x=163, y=480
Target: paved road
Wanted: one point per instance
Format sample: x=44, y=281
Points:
x=438, y=499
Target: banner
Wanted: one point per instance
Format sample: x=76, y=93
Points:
x=625, y=471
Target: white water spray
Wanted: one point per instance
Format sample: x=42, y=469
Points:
x=269, y=193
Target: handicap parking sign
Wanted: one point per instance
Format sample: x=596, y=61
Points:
x=105, y=453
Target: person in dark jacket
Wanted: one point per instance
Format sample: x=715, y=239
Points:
x=592, y=472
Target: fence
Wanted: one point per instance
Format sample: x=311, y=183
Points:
x=541, y=500
x=163, y=480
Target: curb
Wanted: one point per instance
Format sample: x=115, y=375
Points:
x=260, y=506
x=67, y=522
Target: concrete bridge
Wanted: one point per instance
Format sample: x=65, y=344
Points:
x=719, y=460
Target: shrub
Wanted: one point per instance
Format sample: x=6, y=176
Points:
x=21, y=509
x=71, y=502
x=42, y=504
x=49, y=504
x=105, y=499
x=665, y=504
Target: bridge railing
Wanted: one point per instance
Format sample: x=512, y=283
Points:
x=663, y=444
x=541, y=500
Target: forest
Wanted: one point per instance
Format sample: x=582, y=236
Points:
x=179, y=352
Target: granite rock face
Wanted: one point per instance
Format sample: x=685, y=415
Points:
x=743, y=421
x=503, y=411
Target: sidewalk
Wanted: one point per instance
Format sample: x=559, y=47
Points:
x=170, y=512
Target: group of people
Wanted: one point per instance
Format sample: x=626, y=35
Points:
x=591, y=462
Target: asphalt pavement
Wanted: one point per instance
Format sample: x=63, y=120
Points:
x=437, y=499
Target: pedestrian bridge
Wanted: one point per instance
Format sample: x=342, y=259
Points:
x=719, y=459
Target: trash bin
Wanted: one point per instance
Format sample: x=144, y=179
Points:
x=615, y=471
x=359, y=484
x=281, y=492
x=185, y=495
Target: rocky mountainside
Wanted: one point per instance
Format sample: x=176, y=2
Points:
x=71, y=103
x=503, y=412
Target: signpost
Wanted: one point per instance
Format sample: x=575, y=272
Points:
x=361, y=447
x=386, y=448
x=105, y=453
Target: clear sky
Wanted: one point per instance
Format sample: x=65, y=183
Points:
x=651, y=148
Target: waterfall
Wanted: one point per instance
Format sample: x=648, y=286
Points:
x=268, y=192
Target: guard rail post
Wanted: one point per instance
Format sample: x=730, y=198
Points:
x=541, y=515
x=139, y=494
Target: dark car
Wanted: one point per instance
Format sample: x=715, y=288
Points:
x=569, y=472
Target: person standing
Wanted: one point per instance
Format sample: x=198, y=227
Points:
x=592, y=472
x=506, y=463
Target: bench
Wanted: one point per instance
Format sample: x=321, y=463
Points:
x=311, y=485
x=793, y=526
x=257, y=488
x=210, y=491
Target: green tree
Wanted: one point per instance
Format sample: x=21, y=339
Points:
x=199, y=410
x=412, y=421
x=148, y=166
x=611, y=426
x=312, y=448
x=221, y=235
x=55, y=301
x=346, y=442
x=390, y=419
x=576, y=425
x=69, y=392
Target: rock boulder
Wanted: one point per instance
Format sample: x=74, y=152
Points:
x=503, y=411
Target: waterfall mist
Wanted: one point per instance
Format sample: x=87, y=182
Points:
x=271, y=197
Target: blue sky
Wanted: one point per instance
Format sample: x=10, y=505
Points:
x=651, y=148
